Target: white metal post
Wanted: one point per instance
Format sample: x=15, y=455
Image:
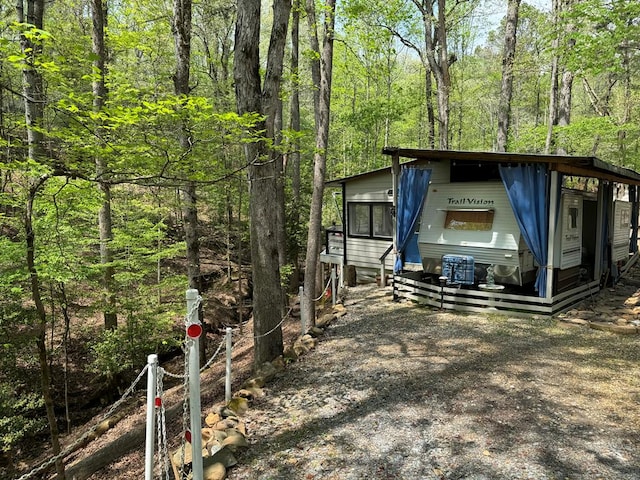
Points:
x=303, y=315
x=152, y=393
x=333, y=285
x=194, y=387
x=227, y=383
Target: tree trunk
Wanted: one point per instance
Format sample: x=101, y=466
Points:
x=627, y=84
x=566, y=88
x=437, y=54
x=267, y=292
x=34, y=100
x=506, y=91
x=43, y=355
x=315, y=62
x=181, y=29
x=272, y=108
x=320, y=158
x=561, y=91
x=31, y=78
x=443, y=77
x=553, y=91
x=428, y=95
x=99, y=18
x=294, y=157
x=564, y=106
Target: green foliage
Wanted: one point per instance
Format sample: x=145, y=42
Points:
x=146, y=330
x=604, y=35
x=21, y=405
x=285, y=274
x=20, y=416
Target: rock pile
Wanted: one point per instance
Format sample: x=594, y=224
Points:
x=225, y=433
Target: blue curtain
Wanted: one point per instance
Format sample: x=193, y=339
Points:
x=527, y=190
x=412, y=191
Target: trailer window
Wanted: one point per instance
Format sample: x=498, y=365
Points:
x=573, y=218
x=372, y=220
x=382, y=220
x=359, y=219
x=477, y=220
x=625, y=217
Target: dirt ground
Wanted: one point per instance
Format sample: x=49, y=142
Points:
x=394, y=390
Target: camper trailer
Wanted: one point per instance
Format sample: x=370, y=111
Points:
x=474, y=219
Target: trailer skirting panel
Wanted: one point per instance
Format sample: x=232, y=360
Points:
x=409, y=286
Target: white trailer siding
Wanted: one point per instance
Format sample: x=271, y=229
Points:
x=568, y=250
x=365, y=252
x=500, y=244
x=621, y=230
x=440, y=172
x=377, y=188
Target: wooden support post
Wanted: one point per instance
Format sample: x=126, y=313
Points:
x=395, y=175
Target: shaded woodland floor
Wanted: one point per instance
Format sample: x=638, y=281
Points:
x=394, y=390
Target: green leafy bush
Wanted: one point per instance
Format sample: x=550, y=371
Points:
x=21, y=417
x=126, y=348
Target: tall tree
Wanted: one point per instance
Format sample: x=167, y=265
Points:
x=506, y=90
x=437, y=54
x=554, y=83
x=604, y=54
x=293, y=159
x=34, y=100
x=252, y=98
x=562, y=75
x=323, y=70
x=181, y=28
x=566, y=86
x=436, y=21
x=99, y=18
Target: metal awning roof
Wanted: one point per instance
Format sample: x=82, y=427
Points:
x=566, y=164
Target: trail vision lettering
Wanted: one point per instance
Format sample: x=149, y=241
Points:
x=471, y=202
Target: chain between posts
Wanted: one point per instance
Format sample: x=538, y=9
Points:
x=161, y=426
x=163, y=452
x=71, y=448
x=274, y=328
x=185, y=408
x=326, y=288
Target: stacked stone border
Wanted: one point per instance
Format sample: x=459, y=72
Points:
x=614, y=310
x=225, y=433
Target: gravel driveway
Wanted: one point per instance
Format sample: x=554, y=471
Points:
x=396, y=391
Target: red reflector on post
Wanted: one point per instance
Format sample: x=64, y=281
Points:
x=194, y=330
x=158, y=402
x=187, y=435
